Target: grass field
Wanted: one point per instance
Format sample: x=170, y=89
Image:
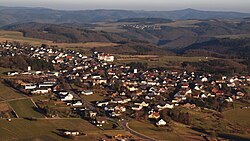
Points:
x=25, y=108
x=4, y=70
x=7, y=93
x=47, y=129
x=239, y=116
x=18, y=36
x=152, y=131
x=109, y=125
x=93, y=97
x=235, y=123
x=154, y=60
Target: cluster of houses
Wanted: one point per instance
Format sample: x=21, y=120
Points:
x=142, y=26
x=128, y=90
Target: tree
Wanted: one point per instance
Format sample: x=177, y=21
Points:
x=184, y=64
x=165, y=116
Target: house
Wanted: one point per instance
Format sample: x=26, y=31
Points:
x=137, y=108
x=161, y=123
x=132, y=89
x=229, y=100
x=115, y=114
x=71, y=133
x=101, y=81
x=184, y=86
x=77, y=103
x=104, y=103
x=29, y=86
x=13, y=73
x=166, y=106
x=154, y=115
x=120, y=108
x=47, y=84
x=204, y=79
x=68, y=97
x=117, y=100
x=105, y=57
x=142, y=104
x=87, y=92
x=41, y=91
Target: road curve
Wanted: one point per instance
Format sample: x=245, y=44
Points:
x=127, y=128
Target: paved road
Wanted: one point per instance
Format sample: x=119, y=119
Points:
x=125, y=125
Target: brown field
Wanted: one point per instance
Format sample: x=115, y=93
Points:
x=20, y=129
x=181, y=23
x=7, y=93
x=157, y=60
x=48, y=129
x=4, y=107
x=234, y=36
x=111, y=26
x=18, y=36
x=83, y=45
x=238, y=116
x=109, y=29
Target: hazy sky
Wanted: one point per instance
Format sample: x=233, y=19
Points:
x=218, y=5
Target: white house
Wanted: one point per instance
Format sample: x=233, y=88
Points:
x=13, y=73
x=137, y=108
x=105, y=57
x=77, y=103
x=87, y=92
x=161, y=123
x=29, y=86
x=143, y=104
x=67, y=98
x=41, y=91
x=166, y=106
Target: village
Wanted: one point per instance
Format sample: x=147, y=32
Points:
x=142, y=26
x=98, y=90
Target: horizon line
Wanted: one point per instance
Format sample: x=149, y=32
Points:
x=188, y=8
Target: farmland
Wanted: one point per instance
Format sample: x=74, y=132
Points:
x=157, y=60
x=45, y=129
x=18, y=36
x=181, y=23
x=180, y=132
x=238, y=116
x=7, y=93
x=25, y=108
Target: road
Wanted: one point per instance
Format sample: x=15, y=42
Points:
x=126, y=127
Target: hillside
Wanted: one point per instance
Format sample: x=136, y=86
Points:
x=178, y=36
x=226, y=47
x=10, y=15
x=63, y=34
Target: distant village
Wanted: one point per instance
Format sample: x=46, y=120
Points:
x=123, y=92
x=142, y=26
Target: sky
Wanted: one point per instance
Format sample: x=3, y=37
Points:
x=158, y=5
